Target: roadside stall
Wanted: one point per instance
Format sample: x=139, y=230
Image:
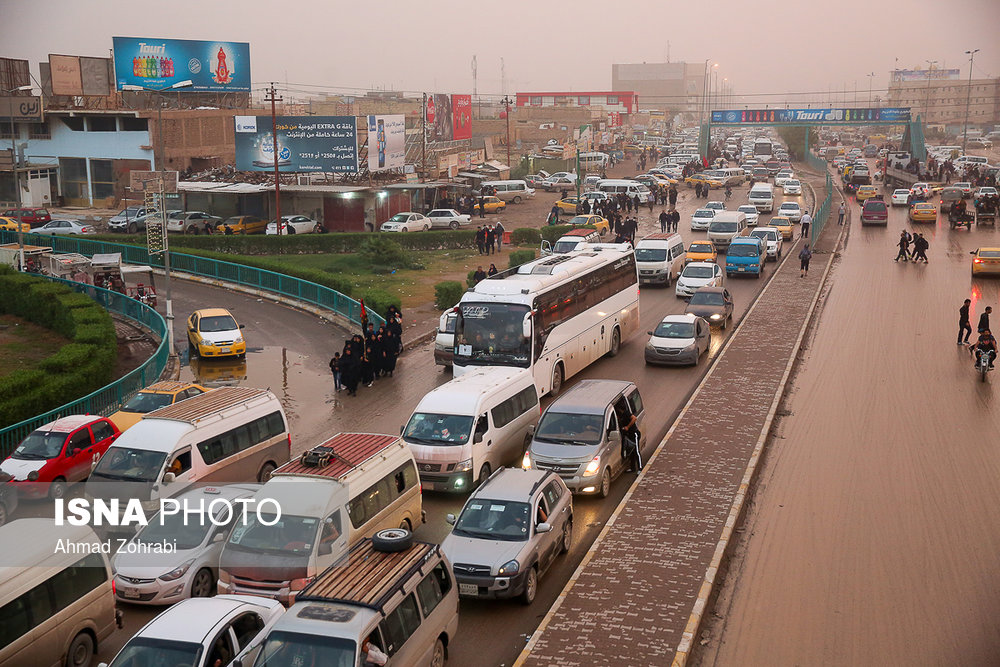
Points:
x=139, y=285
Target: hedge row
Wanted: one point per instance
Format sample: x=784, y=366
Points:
x=78, y=368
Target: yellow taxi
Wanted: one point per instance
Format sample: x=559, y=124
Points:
x=213, y=332
x=663, y=179
x=491, y=204
x=865, y=192
x=10, y=225
x=711, y=181
x=226, y=372
x=783, y=224
x=701, y=251
x=568, y=205
x=923, y=212
x=242, y=224
x=985, y=261
x=600, y=224
x=153, y=397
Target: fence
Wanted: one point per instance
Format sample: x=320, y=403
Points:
x=248, y=276
x=106, y=400
x=822, y=212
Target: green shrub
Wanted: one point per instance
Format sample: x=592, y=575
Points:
x=470, y=279
x=526, y=236
x=380, y=250
x=447, y=293
x=519, y=257
x=378, y=301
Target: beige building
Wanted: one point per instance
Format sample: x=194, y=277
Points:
x=944, y=101
x=678, y=87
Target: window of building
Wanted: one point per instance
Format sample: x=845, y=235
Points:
x=583, y=100
x=75, y=123
x=102, y=124
x=73, y=172
x=5, y=131
x=130, y=124
x=536, y=100
x=612, y=99
x=102, y=179
x=39, y=131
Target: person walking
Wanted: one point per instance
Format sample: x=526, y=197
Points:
x=554, y=215
x=651, y=201
x=920, y=246
x=672, y=196
x=984, y=319
x=805, y=222
x=499, y=230
x=697, y=190
x=964, y=325
x=490, y=239
x=482, y=207
x=350, y=370
x=636, y=203
x=675, y=217
x=804, y=256
x=904, y=247
x=664, y=221
x=335, y=364
x=480, y=240
x=840, y=214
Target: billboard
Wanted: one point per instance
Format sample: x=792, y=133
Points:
x=66, y=76
x=902, y=75
x=21, y=109
x=440, y=126
x=461, y=110
x=305, y=143
x=96, y=74
x=159, y=63
x=819, y=116
x=386, y=142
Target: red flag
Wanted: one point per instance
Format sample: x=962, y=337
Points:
x=364, y=317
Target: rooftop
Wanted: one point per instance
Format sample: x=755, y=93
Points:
x=338, y=456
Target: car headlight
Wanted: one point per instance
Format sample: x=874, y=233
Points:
x=463, y=466
x=526, y=461
x=177, y=572
x=715, y=316
x=593, y=466
x=509, y=568
x=239, y=339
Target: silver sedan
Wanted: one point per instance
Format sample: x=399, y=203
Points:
x=68, y=227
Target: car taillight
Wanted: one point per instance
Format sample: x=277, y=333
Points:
x=977, y=261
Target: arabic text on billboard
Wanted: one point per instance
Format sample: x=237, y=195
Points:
x=461, y=109
x=305, y=143
x=439, y=121
x=386, y=142
x=900, y=75
x=887, y=114
x=21, y=109
x=160, y=63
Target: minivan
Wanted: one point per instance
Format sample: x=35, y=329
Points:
x=335, y=494
x=617, y=185
x=392, y=592
x=733, y=175
x=746, y=255
x=579, y=436
x=762, y=196
x=465, y=429
x=726, y=226
x=659, y=258
x=56, y=604
x=511, y=191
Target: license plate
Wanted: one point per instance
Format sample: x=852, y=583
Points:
x=130, y=593
x=742, y=268
x=468, y=589
x=224, y=350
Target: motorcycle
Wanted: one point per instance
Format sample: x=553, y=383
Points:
x=983, y=364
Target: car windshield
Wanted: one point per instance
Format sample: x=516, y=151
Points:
x=143, y=651
x=789, y=207
x=749, y=210
x=723, y=227
x=185, y=531
x=580, y=220
x=292, y=649
x=217, y=323
x=399, y=217
x=176, y=214
x=704, y=213
x=791, y=182
x=650, y=254
x=701, y=247
x=707, y=299
x=742, y=250
x=129, y=464
x=562, y=247
x=494, y=519
x=767, y=235
x=146, y=401
x=674, y=330
x=130, y=212
x=697, y=271
x=438, y=429
x=287, y=533
x=40, y=445
x=875, y=207
x=569, y=428
x=901, y=192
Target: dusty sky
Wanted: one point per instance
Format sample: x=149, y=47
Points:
x=428, y=45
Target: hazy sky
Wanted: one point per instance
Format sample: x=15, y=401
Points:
x=761, y=47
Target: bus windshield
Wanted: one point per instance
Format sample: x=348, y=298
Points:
x=490, y=334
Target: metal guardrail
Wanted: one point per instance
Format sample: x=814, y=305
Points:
x=240, y=274
x=822, y=211
x=109, y=398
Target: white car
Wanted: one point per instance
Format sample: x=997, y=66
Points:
x=716, y=205
x=406, y=222
x=678, y=339
x=448, y=217
x=191, y=222
x=921, y=190
x=702, y=218
x=983, y=142
x=58, y=227
x=752, y=214
x=698, y=274
x=193, y=568
x=203, y=632
x=772, y=239
x=791, y=210
x=986, y=191
x=782, y=176
x=900, y=197
x=560, y=183
x=792, y=186
x=293, y=224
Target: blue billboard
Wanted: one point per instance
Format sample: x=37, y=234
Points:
x=220, y=67
x=305, y=143
x=818, y=116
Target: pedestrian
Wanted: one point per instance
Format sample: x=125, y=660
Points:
x=392, y=348
x=499, y=230
x=805, y=222
x=585, y=206
x=675, y=218
x=479, y=275
x=963, y=322
x=804, y=256
x=335, y=364
x=840, y=214
x=630, y=437
x=651, y=201
x=490, y=239
x=482, y=207
x=697, y=190
x=368, y=366
x=349, y=370
x=554, y=215
x=984, y=319
x=480, y=240
x=904, y=247
x=492, y=271
x=672, y=196
x=920, y=246
x=664, y=220
x=628, y=204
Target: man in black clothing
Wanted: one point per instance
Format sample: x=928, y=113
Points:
x=482, y=207
x=675, y=217
x=672, y=196
x=986, y=344
x=490, y=240
x=479, y=274
x=963, y=322
x=664, y=221
x=984, y=319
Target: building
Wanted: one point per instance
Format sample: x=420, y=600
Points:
x=940, y=97
x=678, y=87
x=622, y=101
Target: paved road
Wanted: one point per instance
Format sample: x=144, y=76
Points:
x=874, y=534
x=289, y=352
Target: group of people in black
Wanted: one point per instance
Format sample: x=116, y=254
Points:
x=365, y=358
x=489, y=237
x=920, y=246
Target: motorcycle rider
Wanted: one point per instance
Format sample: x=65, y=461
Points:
x=986, y=344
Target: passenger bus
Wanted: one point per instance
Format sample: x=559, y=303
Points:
x=763, y=149
x=554, y=315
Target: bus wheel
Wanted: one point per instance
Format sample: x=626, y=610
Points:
x=616, y=343
x=557, y=379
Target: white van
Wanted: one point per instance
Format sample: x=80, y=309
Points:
x=511, y=191
x=659, y=258
x=332, y=496
x=465, y=429
x=733, y=175
x=725, y=226
x=594, y=160
x=56, y=605
x=615, y=186
x=762, y=196
x=229, y=434
x=977, y=160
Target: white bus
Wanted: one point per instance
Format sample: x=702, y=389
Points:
x=554, y=315
x=763, y=149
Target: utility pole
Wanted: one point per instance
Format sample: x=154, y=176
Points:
x=423, y=139
x=927, y=96
x=871, y=77
x=968, y=100
x=272, y=98
x=14, y=163
x=506, y=102
x=475, y=93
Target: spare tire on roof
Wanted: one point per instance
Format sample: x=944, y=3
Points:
x=392, y=539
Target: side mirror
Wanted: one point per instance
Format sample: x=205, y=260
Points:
x=168, y=477
x=325, y=549
x=973, y=252
x=237, y=663
x=526, y=325
x=243, y=326
x=546, y=248
x=543, y=527
x=649, y=333
x=531, y=429
x=450, y=518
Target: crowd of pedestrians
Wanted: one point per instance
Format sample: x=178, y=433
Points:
x=489, y=237
x=369, y=356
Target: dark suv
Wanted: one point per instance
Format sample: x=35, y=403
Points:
x=36, y=217
x=874, y=212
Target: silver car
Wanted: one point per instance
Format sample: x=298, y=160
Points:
x=509, y=533
x=67, y=227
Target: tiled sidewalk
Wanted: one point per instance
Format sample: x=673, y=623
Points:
x=634, y=593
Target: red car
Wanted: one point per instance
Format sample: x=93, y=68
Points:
x=33, y=216
x=58, y=454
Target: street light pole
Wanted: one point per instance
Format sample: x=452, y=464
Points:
x=968, y=100
x=274, y=147
x=506, y=102
x=15, y=179
x=871, y=78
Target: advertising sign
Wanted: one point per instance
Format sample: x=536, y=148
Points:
x=440, y=126
x=386, y=142
x=461, y=109
x=160, y=63
x=902, y=75
x=21, y=109
x=65, y=73
x=819, y=116
x=305, y=143
x=96, y=75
